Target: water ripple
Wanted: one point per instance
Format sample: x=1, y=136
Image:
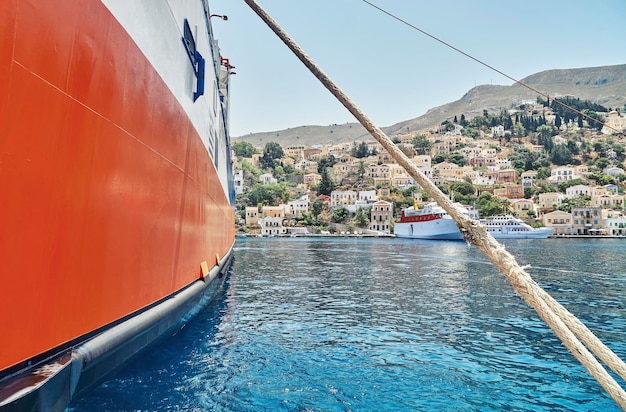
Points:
x=382, y=324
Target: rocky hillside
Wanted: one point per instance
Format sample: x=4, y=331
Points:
x=603, y=85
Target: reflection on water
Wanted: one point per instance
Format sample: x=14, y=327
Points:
x=383, y=324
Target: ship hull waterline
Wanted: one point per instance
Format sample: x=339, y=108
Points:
x=56, y=382
x=114, y=202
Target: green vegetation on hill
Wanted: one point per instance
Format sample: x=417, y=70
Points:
x=526, y=137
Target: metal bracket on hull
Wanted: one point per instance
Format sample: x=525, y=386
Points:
x=197, y=61
x=199, y=69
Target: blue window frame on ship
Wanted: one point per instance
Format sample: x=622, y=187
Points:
x=197, y=61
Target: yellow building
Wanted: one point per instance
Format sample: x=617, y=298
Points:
x=560, y=221
x=252, y=216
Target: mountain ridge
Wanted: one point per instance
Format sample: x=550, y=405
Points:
x=605, y=85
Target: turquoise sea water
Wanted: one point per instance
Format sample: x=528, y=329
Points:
x=347, y=324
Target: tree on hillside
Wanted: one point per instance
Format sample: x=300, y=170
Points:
x=362, y=217
x=572, y=145
x=557, y=121
x=341, y=214
x=244, y=149
x=271, y=152
x=447, y=126
x=543, y=173
x=470, y=132
x=544, y=136
x=421, y=144
x=290, y=170
x=463, y=187
x=519, y=130
x=564, y=106
x=458, y=159
x=268, y=194
x=529, y=192
x=360, y=151
x=593, y=119
x=463, y=122
x=601, y=179
x=316, y=207
x=362, y=169
x=560, y=155
x=251, y=173
x=602, y=163
x=488, y=205
x=461, y=191
x=619, y=151
x=505, y=119
x=326, y=185
x=279, y=173
x=524, y=159
x=325, y=162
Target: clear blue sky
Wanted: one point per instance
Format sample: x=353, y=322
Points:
x=392, y=72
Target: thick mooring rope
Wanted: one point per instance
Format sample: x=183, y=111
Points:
x=565, y=325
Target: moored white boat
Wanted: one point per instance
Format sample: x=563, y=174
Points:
x=510, y=227
x=431, y=222
x=434, y=223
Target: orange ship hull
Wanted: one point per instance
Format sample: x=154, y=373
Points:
x=110, y=199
